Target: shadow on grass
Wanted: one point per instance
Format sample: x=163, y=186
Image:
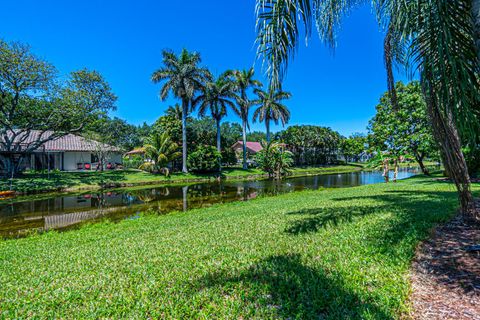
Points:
x=409, y=218
x=318, y=218
x=283, y=287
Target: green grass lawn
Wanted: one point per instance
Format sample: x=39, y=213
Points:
x=334, y=254
x=74, y=181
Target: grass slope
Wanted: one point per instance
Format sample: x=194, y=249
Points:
x=74, y=181
x=334, y=254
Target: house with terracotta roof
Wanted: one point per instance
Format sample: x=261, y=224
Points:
x=252, y=147
x=66, y=153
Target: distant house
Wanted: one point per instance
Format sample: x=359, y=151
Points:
x=67, y=153
x=136, y=152
x=252, y=147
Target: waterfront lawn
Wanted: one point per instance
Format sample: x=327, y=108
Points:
x=72, y=181
x=333, y=254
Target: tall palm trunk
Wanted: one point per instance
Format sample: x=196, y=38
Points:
x=447, y=136
x=244, y=137
x=267, y=126
x=185, y=103
x=219, y=142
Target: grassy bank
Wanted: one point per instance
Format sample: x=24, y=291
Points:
x=75, y=181
x=335, y=254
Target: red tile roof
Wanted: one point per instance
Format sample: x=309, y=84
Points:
x=70, y=142
x=251, y=146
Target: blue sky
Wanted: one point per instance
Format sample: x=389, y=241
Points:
x=123, y=40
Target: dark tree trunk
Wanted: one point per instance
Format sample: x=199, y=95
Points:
x=446, y=135
x=185, y=103
x=419, y=158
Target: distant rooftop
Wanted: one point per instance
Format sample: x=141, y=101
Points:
x=70, y=142
x=251, y=146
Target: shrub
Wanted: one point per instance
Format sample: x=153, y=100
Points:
x=205, y=159
x=274, y=160
x=133, y=162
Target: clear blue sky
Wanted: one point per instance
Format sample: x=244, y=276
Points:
x=123, y=40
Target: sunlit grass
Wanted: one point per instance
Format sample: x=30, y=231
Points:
x=335, y=254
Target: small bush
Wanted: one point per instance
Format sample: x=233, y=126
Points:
x=133, y=162
x=204, y=159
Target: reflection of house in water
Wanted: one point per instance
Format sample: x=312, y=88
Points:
x=61, y=212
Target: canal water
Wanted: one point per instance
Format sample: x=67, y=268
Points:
x=69, y=211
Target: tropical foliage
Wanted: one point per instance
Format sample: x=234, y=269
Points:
x=183, y=76
x=274, y=159
x=217, y=97
x=205, y=159
x=406, y=130
x=440, y=39
x=353, y=147
x=243, y=80
x=271, y=108
x=311, y=145
x=160, y=151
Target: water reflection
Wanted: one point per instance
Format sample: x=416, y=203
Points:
x=19, y=218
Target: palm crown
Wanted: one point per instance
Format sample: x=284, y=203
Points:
x=271, y=108
x=181, y=74
x=161, y=150
x=216, y=96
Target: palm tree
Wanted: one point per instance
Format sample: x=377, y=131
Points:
x=174, y=112
x=271, y=108
x=440, y=37
x=242, y=81
x=182, y=76
x=160, y=150
x=216, y=97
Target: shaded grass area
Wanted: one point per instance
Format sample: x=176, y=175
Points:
x=74, y=181
x=334, y=254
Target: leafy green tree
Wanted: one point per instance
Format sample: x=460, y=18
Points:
x=271, y=108
x=202, y=132
x=274, y=159
x=116, y=131
x=311, y=145
x=353, y=146
x=182, y=76
x=160, y=151
x=256, y=136
x=171, y=126
x=441, y=38
x=205, y=159
x=404, y=130
x=34, y=97
x=243, y=80
x=217, y=96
